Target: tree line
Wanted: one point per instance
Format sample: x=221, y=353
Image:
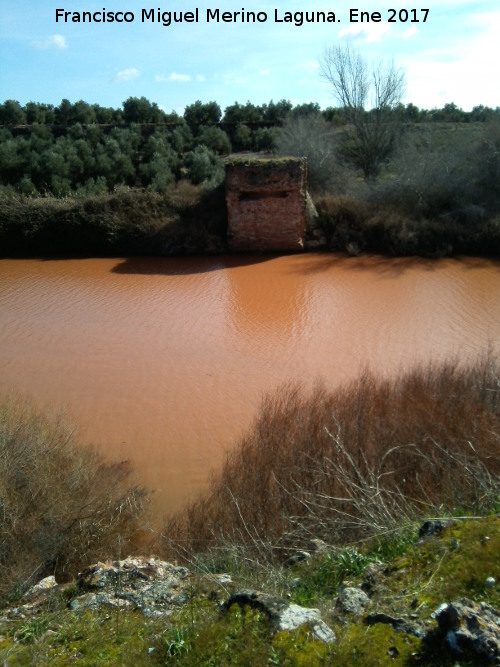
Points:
x=141, y=110
x=88, y=149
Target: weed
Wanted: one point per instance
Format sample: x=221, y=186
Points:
x=175, y=641
x=395, y=543
x=325, y=578
x=32, y=630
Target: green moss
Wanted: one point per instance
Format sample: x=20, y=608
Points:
x=451, y=566
x=375, y=645
x=240, y=637
x=443, y=568
x=91, y=638
x=299, y=648
x=256, y=160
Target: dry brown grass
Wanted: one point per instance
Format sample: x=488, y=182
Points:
x=61, y=504
x=347, y=464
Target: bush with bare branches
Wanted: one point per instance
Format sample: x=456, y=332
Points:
x=61, y=504
x=368, y=95
x=311, y=136
x=348, y=464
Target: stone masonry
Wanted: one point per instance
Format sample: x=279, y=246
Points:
x=266, y=203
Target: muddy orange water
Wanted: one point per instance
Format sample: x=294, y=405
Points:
x=164, y=361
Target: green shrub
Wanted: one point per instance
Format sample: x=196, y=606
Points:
x=265, y=139
x=203, y=166
x=215, y=139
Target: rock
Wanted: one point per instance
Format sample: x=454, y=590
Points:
x=282, y=615
x=34, y=599
x=129, y=571
x=94, y=601
x=434, y=527
x=469, y=626
x=297, y=557
x=351, y=601
x=41, y=587
x=398, y=624
x=294, y=616
x=318, y=546
x=151, y=585
x=273, y=606
x=372, y=574
x=490, y=582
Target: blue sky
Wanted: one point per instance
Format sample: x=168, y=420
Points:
x=453, y=57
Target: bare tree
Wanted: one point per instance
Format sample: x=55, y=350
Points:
x=368, y=96
x=311, y=136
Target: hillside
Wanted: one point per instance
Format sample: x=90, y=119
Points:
x=378, y=599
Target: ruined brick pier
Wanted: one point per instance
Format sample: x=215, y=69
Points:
x=266, y=203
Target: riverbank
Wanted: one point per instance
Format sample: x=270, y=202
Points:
x=419, y=596
x=341, y=569
x=129, y=222
x=192, y=220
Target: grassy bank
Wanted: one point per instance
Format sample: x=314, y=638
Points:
x=360, y=225
x=408, y=579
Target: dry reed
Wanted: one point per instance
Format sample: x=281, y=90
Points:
x=60, y=503
x=344, y=465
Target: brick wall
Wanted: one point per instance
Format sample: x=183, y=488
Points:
x=266, y=203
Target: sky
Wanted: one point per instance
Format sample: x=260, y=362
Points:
x=452, y=56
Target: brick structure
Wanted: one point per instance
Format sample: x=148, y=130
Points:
x=266, y=203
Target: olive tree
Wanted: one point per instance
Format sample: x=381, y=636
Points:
x=204, y=167
x=198, y=114
x=368, y=95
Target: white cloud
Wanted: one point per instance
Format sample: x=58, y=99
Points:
x=174, y=77
x=411, y=32
x=200, y=77
x=372, y=32
x=55, y=41
x=232, y=79
x=462, y=72
x=179, y=77
x=126, y=75
x=265, y=72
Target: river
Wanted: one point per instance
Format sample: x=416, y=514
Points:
x=164, y=361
